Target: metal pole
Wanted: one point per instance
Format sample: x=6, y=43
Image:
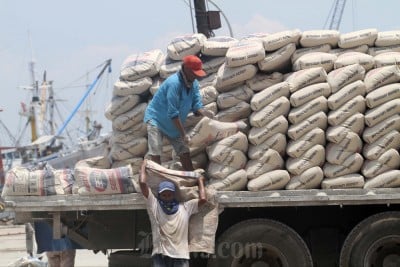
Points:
x=201, y=17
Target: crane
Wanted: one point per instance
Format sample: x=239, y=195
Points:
x=335, y=17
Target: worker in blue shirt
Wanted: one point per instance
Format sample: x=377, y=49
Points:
x=167, y=111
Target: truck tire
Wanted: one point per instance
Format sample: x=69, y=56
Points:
x=373, y=242
x=260, y=242
x=128, y=258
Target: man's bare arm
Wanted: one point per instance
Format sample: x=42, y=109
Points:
x=143, y=180
x=202, y=191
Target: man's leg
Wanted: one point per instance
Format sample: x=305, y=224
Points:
x=182, y=150
x=180, y=263
x=154, y=140
x=158, y=260
x=53, y=258
x=186, y=161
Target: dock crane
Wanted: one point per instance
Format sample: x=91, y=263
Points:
x=335, y=16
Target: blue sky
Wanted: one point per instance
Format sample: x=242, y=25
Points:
x=70, y=38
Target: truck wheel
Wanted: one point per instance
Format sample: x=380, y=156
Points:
x=128, y=258
x=373, y=242
x=260, y=242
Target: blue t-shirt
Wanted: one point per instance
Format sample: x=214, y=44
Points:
x=171, y=100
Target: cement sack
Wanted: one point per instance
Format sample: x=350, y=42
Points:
x=309, y=93
x=208, y=94
x=390, y=160
x=279, y=107
x=388, y=38
x=100, y=162
x=353, y=180
x=208, y=131
x=350, y=58
x=119, y=153
x=382, y=95
x=381, y=76
x=388, y=179
x=244, y=52
x=356, y=38
x=217, y=46
x=313, y=157
x=373, y=51
x=157, y=81
x=192, y=119
x=269, y=95
x=352, y=142
x=135, y=164
x=236, y=141
x=319, y=37
x=304, y=51
x=120, y=105
x=296, y=148
x=360, y=48
x=199, y=161
x=278, y=60
x=336, y=154
x=258, y=36
x=185, y=45
x=299, y=114
x=355, y=124
x=341, y=77
x=236, y=181
x=352, y=164
x=387, y=59
x=277, y=40
x=346, y=94
x=273, y=180
x=270, y=161
x=142, y=65
x=353, y=106
x=306, y=77
x=276, y=142
x=138, y=130
x=372, y=134
x=125, y=88
x=240, y=111
x=259, y=135
x=137, y=146
x=227, y=156
x=220, y=171
x=309, y=179
x=234, y=97
x=262, y=81
x=318, y=120
x=227, y=76
x=376, y=149
x=376, y=115
x=130, y=118
x=313, y=60
x=209, y=80
x=94, y=181
x=169, y=67
x=211, y=65
x=344, y=137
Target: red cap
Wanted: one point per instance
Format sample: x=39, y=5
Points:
x=194, y=63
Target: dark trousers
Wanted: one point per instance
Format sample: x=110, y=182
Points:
x=160, y=260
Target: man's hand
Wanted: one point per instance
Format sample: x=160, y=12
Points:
x=186, y=139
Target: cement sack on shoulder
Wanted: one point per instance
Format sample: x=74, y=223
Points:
x=360, y=48
x=373, y=51
x=208, y=94
x=345, y=94
x=309, y=179
x=319, y=37
x=192, y=119
x=379, y=77
x=276, y=142
x=376, y=149
x=240, y=111
x=142, y=65
x=233, y=97
x=354, y=123
x=227, y=156
x=313, y=157
x=353, y=180
x=390, y=160
x=388, y=179
x=336, y=154
x=296, y=148
x=128, y=119
x=220, y=171
x=306, y=77
x=356, y=38
x=304, y=51
x=387, y=59
x=376, y=115
x=308, y=93
x=345, y=111
x=388, y=38
x=279, y=107
x=236, y=141
x=100, y=162
x=318, y=120
x=218, y=45
x=350, y=58
x=273, y=180
x=169, y=67
x=125, y=88
x=259, y=135
x=270, y=161
x=262, y=81
x=277, y=40
x=138, y=130
x=135, y=164
x=352, y=164
x=315, y=59
x=244, y=52
x=227, y=76
x=341, y=77
x=236, y=181
x=185, y=45
x=278, y=60
x=382, y=95
x=371, y=134
x=299, y=114
x=268, y=95
x=120, y=105
x=212, y=64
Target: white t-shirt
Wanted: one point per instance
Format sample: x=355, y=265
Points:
x=170, y=232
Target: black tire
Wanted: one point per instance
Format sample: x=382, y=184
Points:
x=260, y=242
x=128, y=258
x=373, y=242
